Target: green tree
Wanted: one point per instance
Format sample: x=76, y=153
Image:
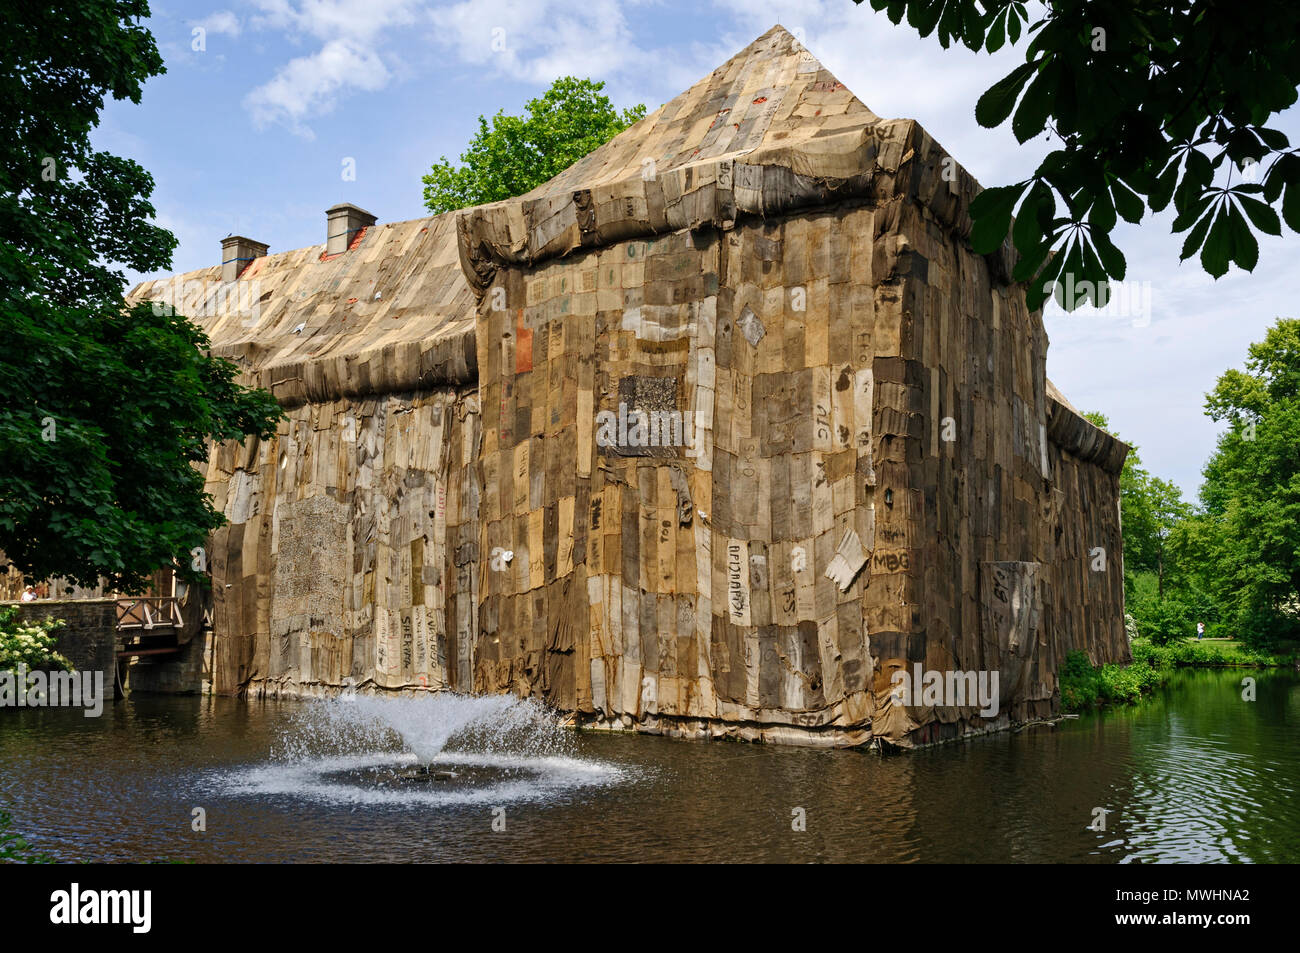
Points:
x=1196, y=553
x=1148, y=103
x=1150, y=511
x=1162, y=509
x=103, y=410
x=1161, y=590
x=518, y=153
x=1251, y=494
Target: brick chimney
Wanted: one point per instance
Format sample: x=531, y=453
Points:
x=344, y=221
x=237, y=253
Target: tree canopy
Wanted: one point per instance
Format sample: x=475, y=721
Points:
x=518, y=153
x=103, y=410
x=1232, y=562
x=1251, y=494
x=1148, y=103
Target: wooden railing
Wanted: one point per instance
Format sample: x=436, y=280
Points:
x=149, y=612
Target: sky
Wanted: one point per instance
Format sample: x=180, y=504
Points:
x=273, y=110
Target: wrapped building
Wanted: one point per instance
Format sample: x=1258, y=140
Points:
x=718, y=433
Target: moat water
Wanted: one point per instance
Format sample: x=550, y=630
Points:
x=1195, y=774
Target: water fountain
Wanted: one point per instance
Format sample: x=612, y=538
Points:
x=435, y=749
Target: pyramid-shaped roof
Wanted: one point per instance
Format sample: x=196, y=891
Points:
x=773, y=92
x=768, y=131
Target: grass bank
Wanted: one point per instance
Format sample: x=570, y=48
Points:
x=1085, y=686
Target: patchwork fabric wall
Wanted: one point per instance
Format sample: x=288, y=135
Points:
x=664, y=585
x=1086, y=602
x=598, y=605
x=350, y=550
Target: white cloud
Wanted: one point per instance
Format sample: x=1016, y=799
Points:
x=223, y=22
x=358, y=20
x=540, y=41
x=308, y=85
x=350, y=57
x=1151, y=380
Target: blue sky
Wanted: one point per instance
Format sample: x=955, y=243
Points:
x=251, y=127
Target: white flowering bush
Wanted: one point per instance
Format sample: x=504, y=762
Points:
x=28, y=643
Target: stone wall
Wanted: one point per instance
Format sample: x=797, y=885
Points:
x=88, y=638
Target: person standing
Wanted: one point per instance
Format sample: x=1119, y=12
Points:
x=1200, y=630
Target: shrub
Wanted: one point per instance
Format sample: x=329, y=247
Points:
x=1157, y=654
x=28, y=643
x=1079, y=682
x=1084, y=686
x=1166, y=620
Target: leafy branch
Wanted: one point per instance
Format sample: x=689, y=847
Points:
x=1153, y=103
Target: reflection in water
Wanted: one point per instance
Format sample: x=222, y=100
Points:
x=1196, y=774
